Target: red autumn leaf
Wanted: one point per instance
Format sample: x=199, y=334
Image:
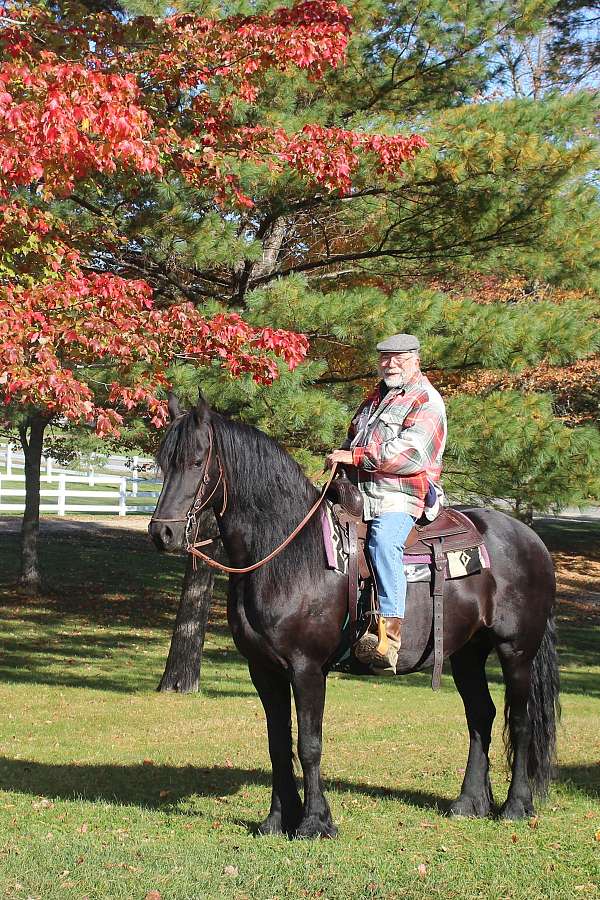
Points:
x=71, y=109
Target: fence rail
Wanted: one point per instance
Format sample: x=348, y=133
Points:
x=121, y=494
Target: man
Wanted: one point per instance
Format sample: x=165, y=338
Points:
x=395, y=441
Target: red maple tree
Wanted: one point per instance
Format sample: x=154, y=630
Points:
x=93, y=97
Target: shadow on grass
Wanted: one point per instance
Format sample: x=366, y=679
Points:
x=98, y=578
x=47, y=659
x=581, y=535
x=141, y=785
x=37, y=662
x=112, y=580
x=581, y=779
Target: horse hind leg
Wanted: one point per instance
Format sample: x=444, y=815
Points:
x=517, y=731
x=532, y=709
x=468, y=670
x=286, y=806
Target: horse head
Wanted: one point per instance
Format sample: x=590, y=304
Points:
x=191, y=474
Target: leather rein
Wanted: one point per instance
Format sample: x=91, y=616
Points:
x=200, y=503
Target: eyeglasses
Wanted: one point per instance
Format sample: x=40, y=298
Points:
x=400, y=357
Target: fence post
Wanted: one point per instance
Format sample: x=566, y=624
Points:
x=9, y=459
x=123, y=496
x=62, y=494
x=135, y=476
x=48, y=468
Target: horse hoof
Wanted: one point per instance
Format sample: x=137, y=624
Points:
x=470, y=808
x=316, y=828
x=516, y=808
x=271, y=825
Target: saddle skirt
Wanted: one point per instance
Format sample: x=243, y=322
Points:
x=464, y=549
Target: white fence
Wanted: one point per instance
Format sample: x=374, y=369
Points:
x=64, y=491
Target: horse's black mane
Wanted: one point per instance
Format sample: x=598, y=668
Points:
x=268, y=491
x=181, y=444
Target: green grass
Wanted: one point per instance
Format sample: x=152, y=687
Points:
x=110, y=790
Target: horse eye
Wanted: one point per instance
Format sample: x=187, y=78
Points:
x=199, y=463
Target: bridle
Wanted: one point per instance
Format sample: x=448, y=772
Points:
x=200, y=502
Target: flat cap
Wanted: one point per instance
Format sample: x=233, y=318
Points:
x=399, y=343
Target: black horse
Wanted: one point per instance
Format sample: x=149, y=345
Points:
x=286, y=617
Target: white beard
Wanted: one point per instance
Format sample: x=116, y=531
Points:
x=394, y=381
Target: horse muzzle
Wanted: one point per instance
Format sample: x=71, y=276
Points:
x=166, y=537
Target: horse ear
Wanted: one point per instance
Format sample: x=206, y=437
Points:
x=173, y=406
x=201, y=409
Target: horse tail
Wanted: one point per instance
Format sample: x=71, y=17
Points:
x=544, y=713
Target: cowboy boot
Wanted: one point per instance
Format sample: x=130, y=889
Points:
x=380, y=651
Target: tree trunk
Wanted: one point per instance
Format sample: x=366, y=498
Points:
x=182, y=671
x=31, y=434
x=524, y=512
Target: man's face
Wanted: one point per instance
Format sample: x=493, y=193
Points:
x=397, y=369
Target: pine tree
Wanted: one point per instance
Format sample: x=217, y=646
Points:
x=505, y=192
x=505, y=188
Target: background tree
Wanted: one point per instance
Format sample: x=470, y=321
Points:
x=71, y=121
x=505, y=188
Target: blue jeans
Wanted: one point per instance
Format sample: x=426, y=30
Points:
x=387, y=536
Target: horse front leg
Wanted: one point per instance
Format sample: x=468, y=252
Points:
x=286, y=806
x=308, y=684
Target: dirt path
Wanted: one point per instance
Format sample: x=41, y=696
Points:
x=78, y=524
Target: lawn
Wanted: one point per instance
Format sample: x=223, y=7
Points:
x=110, y=790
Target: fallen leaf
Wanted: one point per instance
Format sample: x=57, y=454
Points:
x=152, y=895
x=83, y=828
x=231, y=871
x=164, y=793
x=514, y=838
x=228, y=764
x=148, y=762
x=534, y=822
x=422, y=870
x=589, y=815
x=597, y=835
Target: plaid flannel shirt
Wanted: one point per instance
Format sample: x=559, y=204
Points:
x=397, y=443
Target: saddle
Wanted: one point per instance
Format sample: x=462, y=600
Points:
x=450, y=531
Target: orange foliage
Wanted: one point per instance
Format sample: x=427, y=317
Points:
x=576, y=387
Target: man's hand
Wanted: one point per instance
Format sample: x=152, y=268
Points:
x=339, y=456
